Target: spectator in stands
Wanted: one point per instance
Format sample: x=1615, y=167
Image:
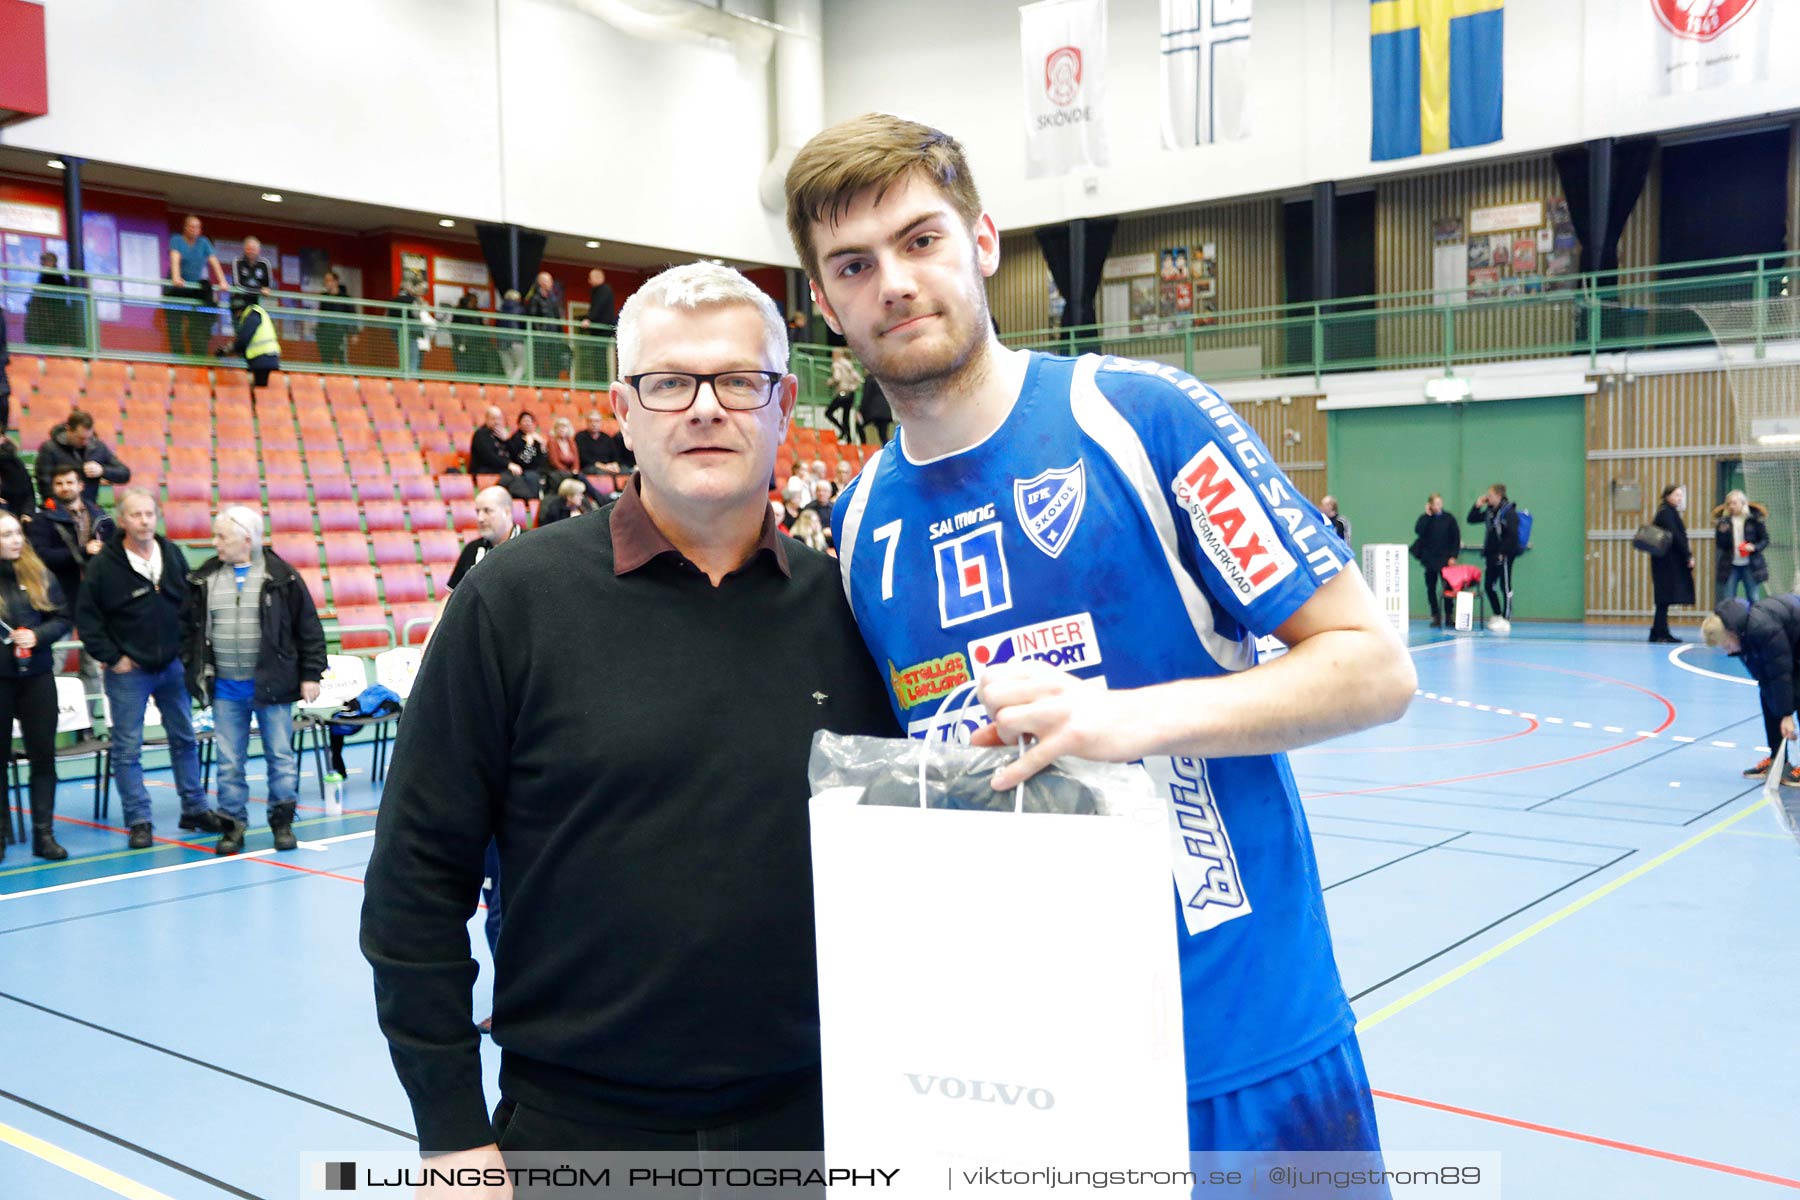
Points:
x=544, y=302
x=845, y=379
x=74, y=443
x=597, y=324
x=1340, y=524
x=511, y=346
x=407, y=332
x=1437, y=539
x=1499, y=548
x=846, y=471
x=494, y=520
x=335, y=329
x=811, y=531
x=17, y=496
x=672, y=1056
x=67, y=534
x=1672, y=572
x=251, y=272
x=528, y=451
x=36, y=618
x=136, y=632
x=468, y=338
x=561, y=455
x=488, y=452
x=571, y=499
x=193, y=267
x=796, y=495
x=601, y=451
x=1765, y=637
x=255, y=342
x=251, y=646
x=53, y=318
x=823, y=494
x=1740, y=535
x=876, y=414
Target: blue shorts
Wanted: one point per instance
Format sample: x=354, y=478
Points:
x=1322, y=1106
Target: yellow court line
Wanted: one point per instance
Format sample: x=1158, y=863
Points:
x=1524, y=935
x=94, y=1173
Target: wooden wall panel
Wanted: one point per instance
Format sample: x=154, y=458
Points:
x=1652, y=432
x=1295, y=432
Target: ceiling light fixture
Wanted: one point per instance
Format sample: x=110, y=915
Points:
x=446, y=222
x=272, y=197
x=57, y=164
x=593, y=245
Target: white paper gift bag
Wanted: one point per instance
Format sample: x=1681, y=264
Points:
x=994, y=985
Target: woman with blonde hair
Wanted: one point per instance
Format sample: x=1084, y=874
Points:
x=1740, y=535
x=564, y=458
x=34, y=618
x=809, y=531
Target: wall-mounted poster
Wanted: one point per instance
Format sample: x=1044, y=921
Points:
x=1449, y=262
x=1525, y=255
x=1143, y=302
x=1205, y=272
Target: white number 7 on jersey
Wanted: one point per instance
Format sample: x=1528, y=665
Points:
x=889, y=533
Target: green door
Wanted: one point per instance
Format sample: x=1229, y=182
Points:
x=1383, y=462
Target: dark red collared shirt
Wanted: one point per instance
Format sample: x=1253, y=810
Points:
x=637, y=540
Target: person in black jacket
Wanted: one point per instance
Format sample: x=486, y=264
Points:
x=1765, y=636
x=74, y=443
x=251, y=646
x=1437, y=539
x=1740, y=535
x=1672, y=572
x=877, y=414
x=334, y=330
x=17, y=495
x=488, y=452
x=53, y=318
x=527, y=450
x=35, y=620
x=66, y=533
x=1499, y=549
x=129, y=615
x=611, y=1040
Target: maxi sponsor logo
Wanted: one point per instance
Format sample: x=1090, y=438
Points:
x=1066, y=642
x=928, y=680
x=1276, y=496
x=1207, y=880
x=1230, y=524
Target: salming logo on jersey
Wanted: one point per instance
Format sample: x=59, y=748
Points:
x=1206, y=868
x=972, y=578
x=1230, y=525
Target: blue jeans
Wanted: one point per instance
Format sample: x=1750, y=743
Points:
x=1728, y=585
x=231, y=733
x=126, y=693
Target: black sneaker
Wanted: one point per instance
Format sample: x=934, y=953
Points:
x=140, y=836
x=231, y=836
x=206, y=821
x=1759, y=771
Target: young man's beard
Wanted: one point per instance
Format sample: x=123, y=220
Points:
x=904, y=370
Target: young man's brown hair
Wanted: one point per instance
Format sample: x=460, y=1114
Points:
x=875, y=150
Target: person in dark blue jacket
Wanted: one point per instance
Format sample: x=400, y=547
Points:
x=35, y=618
x=1765, y=637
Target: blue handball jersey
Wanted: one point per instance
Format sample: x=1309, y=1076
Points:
x=1123, y=525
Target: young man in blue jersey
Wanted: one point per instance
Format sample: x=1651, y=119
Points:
x=1092, y=545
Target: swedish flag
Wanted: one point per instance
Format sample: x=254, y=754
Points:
x=1435, y=69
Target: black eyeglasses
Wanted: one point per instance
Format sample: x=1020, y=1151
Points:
x=674, y=391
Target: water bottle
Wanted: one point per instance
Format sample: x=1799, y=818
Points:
x=334, y=798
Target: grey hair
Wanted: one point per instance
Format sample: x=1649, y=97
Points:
x=246, y=519
x=699, y=285
x=124, y=494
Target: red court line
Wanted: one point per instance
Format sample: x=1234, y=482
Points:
x=209, y=850
x=1612, y=1144
x=1668, y=720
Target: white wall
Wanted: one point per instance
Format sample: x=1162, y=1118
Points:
x=1570, y=65
x=399, y=102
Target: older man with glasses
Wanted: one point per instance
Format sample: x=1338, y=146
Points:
x=680, y=1010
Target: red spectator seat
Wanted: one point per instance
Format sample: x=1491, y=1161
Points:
x=342, y=389
x=406, y=462
x=371, y=615
x=298, y=549
x=185, y=522
x=198, y=376
x=439, y=545
x=330, y=485
x=408, y=392
x=291, y=516
x=390, y=418
x=456, y=487
x=194, y=460
x=462, y=518
x=282, y=462
x=346, y=550
x=403, y=583
x=438, y=440
x=440, y=577
x=426, y=515
x=394, y=546
x=339, y=516
x=232, y=395
x=374, y=487
x=110, y=370
x=412, y=615
x=350, y=585
x=240, y=489
x=286, y=487
x=418, y=487
x=384, y=514
x=278, y=433
x=366, y=462
x=356, y=438
x=525, y=513
x=190, y=434
x=315, y=585
x=189, y=489
x=236, y=437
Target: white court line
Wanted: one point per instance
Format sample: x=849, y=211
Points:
x=1613, y=729
x=168, y=870
x=1675, y=657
